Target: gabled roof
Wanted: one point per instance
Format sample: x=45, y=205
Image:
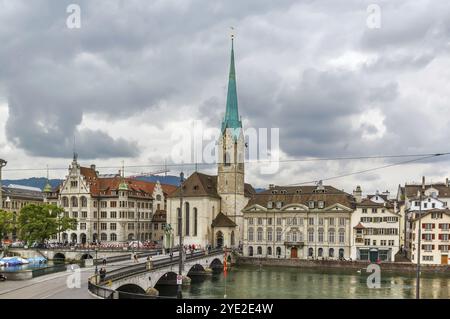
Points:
x=21, y=193
x=359, y=226
x=442, y=188
x=198, y=185
x=383, y=196
x=103, y=186
x=222, y=220
x=445, y=211
x=366, y=202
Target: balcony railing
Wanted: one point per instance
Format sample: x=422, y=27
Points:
x=294, y=243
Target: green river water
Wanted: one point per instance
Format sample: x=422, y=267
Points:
x=245, y=282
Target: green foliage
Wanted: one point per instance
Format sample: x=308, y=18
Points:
x=38, y=223
x=6, y=223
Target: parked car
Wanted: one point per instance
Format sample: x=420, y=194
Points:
x=2, y=277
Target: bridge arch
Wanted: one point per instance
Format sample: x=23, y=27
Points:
x=195, y=270
x=168, y=278
x=86, y=256
x=59, y=256
x=130, y=288
x=216, y=264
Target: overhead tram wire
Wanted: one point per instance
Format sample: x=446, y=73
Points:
x=313, y=159
x=371, y=169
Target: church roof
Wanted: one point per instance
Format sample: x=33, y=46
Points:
x=200, y=185
x=231, y=119
x=222, y=220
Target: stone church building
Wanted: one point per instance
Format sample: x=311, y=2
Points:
x=212, y=205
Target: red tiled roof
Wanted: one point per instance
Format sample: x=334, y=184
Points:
x=359, y=226
x=104, y=185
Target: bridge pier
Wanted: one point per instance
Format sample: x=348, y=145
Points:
x=186, y=281
x=152, y=292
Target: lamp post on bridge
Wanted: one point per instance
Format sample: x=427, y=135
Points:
x=180, y=233
x=2, y=164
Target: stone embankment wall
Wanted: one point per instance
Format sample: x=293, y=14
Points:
x=337, y=264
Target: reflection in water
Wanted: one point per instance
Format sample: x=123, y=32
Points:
x=277, y=282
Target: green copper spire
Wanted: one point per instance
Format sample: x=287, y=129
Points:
x=123, y=186
x=47, y=187
x=231, y=119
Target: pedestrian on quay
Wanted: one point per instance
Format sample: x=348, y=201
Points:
x=104, y=261
x=136, y=258
x=102, y=274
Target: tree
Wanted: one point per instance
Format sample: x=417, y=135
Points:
x=6, y=223
x=38, y=223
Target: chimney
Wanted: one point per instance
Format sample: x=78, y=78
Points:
x=93, y=167
x=395, y=206
x=386, y=193
x=357, y=193
x=446, y=182
x=423, y=182
x=271, y=186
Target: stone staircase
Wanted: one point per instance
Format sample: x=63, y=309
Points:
x=400, y=256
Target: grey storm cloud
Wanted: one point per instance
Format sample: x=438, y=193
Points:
x=134, y=56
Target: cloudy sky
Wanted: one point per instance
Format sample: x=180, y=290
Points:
x=137, y=72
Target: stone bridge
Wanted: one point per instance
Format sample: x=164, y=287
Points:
x=142, y=278
x=81, y=254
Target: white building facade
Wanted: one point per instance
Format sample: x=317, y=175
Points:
x=375, y=229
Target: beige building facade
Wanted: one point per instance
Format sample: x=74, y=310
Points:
x=307, y=222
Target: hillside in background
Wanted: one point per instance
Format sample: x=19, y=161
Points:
x=40, y=182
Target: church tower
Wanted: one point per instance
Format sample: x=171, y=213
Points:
x=231, y=149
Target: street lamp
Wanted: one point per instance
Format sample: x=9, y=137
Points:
x=2, y=164
x=419, y=247
x=180, y=233
x=138, y=228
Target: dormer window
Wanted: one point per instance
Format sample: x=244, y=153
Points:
x=298, y=191
x=311, y=204
x=279, y=204
x=321, y=203
x=270, y=205
x=274, y=191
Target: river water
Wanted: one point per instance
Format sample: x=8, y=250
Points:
x=245, y=282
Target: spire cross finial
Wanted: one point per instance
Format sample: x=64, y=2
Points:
x=232, y=33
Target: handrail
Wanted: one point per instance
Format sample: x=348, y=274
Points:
x=142, y=267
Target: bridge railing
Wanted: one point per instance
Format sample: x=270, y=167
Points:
x=126, y=271
x=123, y=272
x=100, y=291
